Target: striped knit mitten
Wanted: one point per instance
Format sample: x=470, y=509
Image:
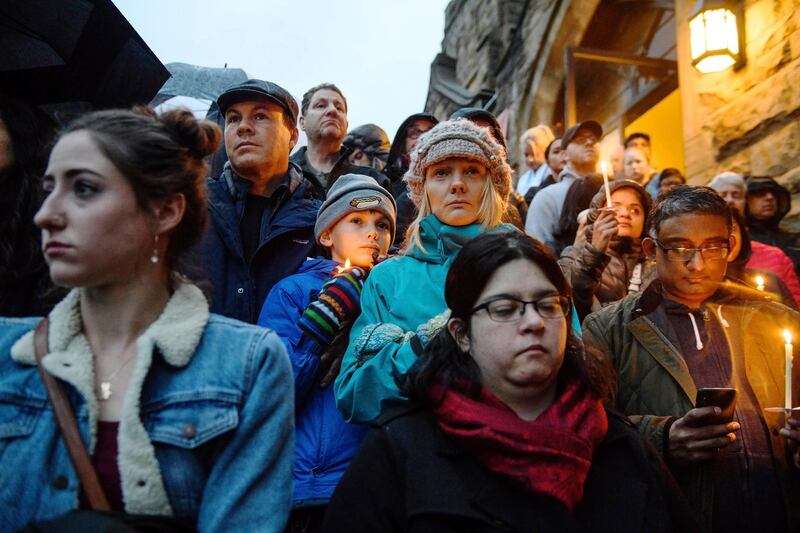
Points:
x=339, y=302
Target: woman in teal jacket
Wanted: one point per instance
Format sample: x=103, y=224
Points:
x=460, y=181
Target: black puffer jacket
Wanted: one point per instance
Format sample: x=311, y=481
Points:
x=598, y=278
x=409, y=477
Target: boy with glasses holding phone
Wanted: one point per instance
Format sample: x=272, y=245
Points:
x=688, y=331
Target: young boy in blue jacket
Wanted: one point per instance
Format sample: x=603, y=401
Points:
x=309, y=311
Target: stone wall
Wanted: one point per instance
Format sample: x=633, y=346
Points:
x=748, y=120
x=477, y=33
x=515, y=47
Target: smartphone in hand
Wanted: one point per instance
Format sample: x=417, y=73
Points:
x=724, y=398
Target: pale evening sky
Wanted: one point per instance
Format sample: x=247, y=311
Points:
x=378, y=52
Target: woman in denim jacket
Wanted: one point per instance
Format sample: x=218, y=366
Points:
x=184, y=413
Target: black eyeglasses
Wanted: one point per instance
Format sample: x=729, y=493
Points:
x=414, y=133
x=512, y=309
x=684, y=255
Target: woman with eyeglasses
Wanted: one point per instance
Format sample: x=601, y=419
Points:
x=506, y=430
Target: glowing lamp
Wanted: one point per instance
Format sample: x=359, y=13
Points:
x=715, y=34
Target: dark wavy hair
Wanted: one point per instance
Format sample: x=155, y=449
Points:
x=444, y=361
x=30, y=132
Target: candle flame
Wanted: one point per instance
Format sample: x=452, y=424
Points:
x=788, y=336
x=760, y=282
x=341, y=269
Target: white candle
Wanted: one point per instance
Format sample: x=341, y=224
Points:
x=788, y=367
x=604, y=170
x=760, y=283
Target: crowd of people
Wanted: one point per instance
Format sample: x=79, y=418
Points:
x=368, y=334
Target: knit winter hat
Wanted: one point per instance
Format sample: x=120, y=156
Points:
x=351, y=193
x=457, y=138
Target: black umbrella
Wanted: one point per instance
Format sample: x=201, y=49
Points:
x=204, y=83
x=56, y=51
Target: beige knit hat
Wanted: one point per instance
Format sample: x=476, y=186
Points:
x=457, y=138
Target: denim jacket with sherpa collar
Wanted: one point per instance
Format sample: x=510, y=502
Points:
x=205, y=430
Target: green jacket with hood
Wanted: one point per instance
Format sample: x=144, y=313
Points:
x=399, y=296
x=655, y=387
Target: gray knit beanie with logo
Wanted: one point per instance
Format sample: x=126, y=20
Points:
x=351, y=193
x=457, y=138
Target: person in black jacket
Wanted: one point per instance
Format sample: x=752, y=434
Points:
x=323, y=117
x=369, y=146
x=507, y=431
x=767, y=203
x=397, y=164
x=261, y=210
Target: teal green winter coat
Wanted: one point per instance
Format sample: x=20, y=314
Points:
x=399, y=296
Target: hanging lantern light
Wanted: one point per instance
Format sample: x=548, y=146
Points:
x=715, y=33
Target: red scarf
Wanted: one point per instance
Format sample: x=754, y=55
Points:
x=550, y=455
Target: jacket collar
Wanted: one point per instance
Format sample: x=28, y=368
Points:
x=238, y=186
x=176, y=333
x=298, y=209
x=441, y=242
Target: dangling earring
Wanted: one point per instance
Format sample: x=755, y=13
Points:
x=154, y=257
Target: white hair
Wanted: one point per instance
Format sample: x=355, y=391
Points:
x=728, y=178
x=541, y=135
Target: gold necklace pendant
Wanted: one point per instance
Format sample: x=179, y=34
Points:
x=105, y=390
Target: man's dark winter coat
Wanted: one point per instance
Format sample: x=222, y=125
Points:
x=238, y=289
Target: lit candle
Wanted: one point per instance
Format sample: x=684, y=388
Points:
x=760, y=283
x=604, y=170
x=788, y=366
x=345, y=267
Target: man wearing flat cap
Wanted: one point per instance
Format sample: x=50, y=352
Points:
x=261, y=209
x=582, y=144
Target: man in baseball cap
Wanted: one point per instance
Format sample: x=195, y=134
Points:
x=582, y=144
x=261, y=211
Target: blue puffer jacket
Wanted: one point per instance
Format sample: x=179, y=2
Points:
x=287, y=239
x=205, y=428
x=324, y=442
